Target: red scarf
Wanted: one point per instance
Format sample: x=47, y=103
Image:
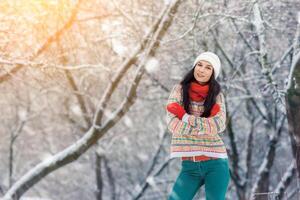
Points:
x=199, y=92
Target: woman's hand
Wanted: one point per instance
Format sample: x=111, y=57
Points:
x=214, y=110
x=176, y=109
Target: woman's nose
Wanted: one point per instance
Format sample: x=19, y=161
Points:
x=200, y=69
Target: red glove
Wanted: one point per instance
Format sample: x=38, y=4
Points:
x=176, y=109
x=214, y=110
x=179, y=111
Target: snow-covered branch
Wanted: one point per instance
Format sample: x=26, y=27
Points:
x=96, y=131
x=271, y=85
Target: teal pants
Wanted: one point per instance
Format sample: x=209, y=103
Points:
x=214, y=174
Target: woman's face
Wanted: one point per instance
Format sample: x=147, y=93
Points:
x=203, y=72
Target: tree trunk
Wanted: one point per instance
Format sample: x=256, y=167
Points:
x=293, y=110
x=99, y=176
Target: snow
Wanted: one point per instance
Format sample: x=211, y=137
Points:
x=143, y=156
x=76, y=109
x=151, y=181
x=114, y=27
x=285, y=177
x=128, y=121
x=22, y=114
x=167, y=2
x=50, y=161
x=45, y=156
x=119, y=48
x=152, y=65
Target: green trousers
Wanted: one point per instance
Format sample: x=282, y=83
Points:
x=214, y=174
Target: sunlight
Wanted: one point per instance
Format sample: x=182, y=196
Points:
x=35, y=11
x=31, y=22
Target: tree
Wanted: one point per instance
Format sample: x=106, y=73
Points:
x=98, y=129
x=293, y=112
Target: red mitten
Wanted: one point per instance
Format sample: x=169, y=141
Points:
x=214, y=110
x=176, y=109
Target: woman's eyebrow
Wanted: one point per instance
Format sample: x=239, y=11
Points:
x=210, y=66
x=202, y=64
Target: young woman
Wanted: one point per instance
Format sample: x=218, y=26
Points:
x=196, y=115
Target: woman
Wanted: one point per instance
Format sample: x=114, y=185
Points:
x=196, y=115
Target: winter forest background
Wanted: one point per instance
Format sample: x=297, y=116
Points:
x=84, y=85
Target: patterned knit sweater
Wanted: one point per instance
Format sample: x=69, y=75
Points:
x=200, y=136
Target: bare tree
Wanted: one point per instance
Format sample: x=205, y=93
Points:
x=98, y=129
x=81, y=62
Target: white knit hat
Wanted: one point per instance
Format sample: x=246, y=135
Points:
x=213, y=59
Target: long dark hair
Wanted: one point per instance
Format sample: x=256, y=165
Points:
x=210, y=100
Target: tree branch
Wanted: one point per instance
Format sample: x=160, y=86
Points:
x=45, y=45
x=96, y=131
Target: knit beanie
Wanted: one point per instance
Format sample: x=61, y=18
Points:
x=213, y=59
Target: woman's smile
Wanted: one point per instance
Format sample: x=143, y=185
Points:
x=203, y=71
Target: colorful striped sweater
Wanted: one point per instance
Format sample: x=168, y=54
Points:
x=200, y=136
